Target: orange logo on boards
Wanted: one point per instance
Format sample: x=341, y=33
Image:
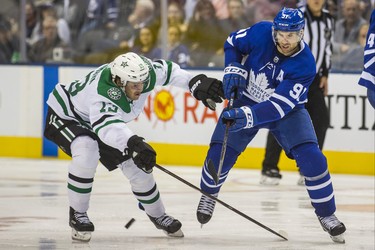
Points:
x=164, y=105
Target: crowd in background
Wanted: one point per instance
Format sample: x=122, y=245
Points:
x=96, y=31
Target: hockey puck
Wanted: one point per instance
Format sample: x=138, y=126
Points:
x=129, y=223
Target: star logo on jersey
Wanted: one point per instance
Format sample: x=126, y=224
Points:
x=114, y=93
x=124, y=64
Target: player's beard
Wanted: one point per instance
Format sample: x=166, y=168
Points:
x=287, y=49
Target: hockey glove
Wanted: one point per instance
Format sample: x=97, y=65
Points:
x=235, y=78
x=239, y=118
x=144, y=156
x=206, y=89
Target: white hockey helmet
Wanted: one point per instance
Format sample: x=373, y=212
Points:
x=130, y=67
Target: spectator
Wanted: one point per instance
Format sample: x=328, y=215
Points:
x=63, y=29
x=176, y=16
x=143, y=15
x=95, y=46
x=331, y=6
x=261, y=10
x=366, y=7
x=42, y=50
x=31, y=22
x=204, y=36
x=9, y=48
x=74, y=13
x=177, y=52
x=99, y=13
x=221, y=8
x=237, y=18
x=147, y=45
x=352, y=60
x=347, y=28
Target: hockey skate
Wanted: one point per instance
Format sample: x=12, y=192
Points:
x=270, y=177
x=81, y=225
x=301, y=179
x=334, y=227
x=205, y=209
x=168, y=224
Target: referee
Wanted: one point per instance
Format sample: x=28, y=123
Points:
x=318, y=35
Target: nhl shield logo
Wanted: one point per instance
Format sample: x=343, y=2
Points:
x=114, y=93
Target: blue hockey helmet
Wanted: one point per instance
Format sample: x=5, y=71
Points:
x=289, y=19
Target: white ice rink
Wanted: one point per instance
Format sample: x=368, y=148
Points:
x=34, y=211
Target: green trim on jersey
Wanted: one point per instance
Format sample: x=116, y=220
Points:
x=169, y=72
x=60, y=101
x=108, y=123
x=108, y=89
x=152, y=73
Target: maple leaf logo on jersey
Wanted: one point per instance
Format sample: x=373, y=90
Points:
x=259, y=87
x=114, y=93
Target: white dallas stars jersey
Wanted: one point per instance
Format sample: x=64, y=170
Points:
x=98, y=104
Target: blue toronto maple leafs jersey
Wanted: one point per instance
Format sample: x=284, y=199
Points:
x=368, y=74
x=276, y=83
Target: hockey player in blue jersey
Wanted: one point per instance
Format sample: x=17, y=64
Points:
x=368, y=74
x=269, y=69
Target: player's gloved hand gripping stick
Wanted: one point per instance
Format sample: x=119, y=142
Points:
x=234, y=81
x=228, y=123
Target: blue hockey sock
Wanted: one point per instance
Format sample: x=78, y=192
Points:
x=207, y=183
x=313, y=166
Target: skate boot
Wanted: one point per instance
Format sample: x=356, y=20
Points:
x=301, y=179
x=334, y=227
x=270, y=177
x=168, y=224
x=205, y=209
x=81, y=225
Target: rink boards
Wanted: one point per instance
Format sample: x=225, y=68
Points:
x=177, y=125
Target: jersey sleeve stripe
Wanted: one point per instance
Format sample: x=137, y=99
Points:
x=101, y=120
x=106, y=124
x=60, y=101
x=169, y=71
x=279, y=109
x=369, y=52
x=283, y=99
x=367, y=76
x=370, y=62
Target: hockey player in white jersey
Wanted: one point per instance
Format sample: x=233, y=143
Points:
x=88, y=120
x=270, y=68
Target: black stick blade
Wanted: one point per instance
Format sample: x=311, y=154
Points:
x=212, y=171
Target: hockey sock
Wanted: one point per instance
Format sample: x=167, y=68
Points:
x=313, y=165
x=207, y=183
x=85, y=158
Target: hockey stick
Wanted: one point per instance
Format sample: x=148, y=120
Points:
x=219, y=201
x=211, y=168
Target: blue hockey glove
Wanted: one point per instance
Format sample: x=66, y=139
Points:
x=235, y=78
x=239, y=118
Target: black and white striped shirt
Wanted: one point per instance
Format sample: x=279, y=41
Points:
x=319, y=36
